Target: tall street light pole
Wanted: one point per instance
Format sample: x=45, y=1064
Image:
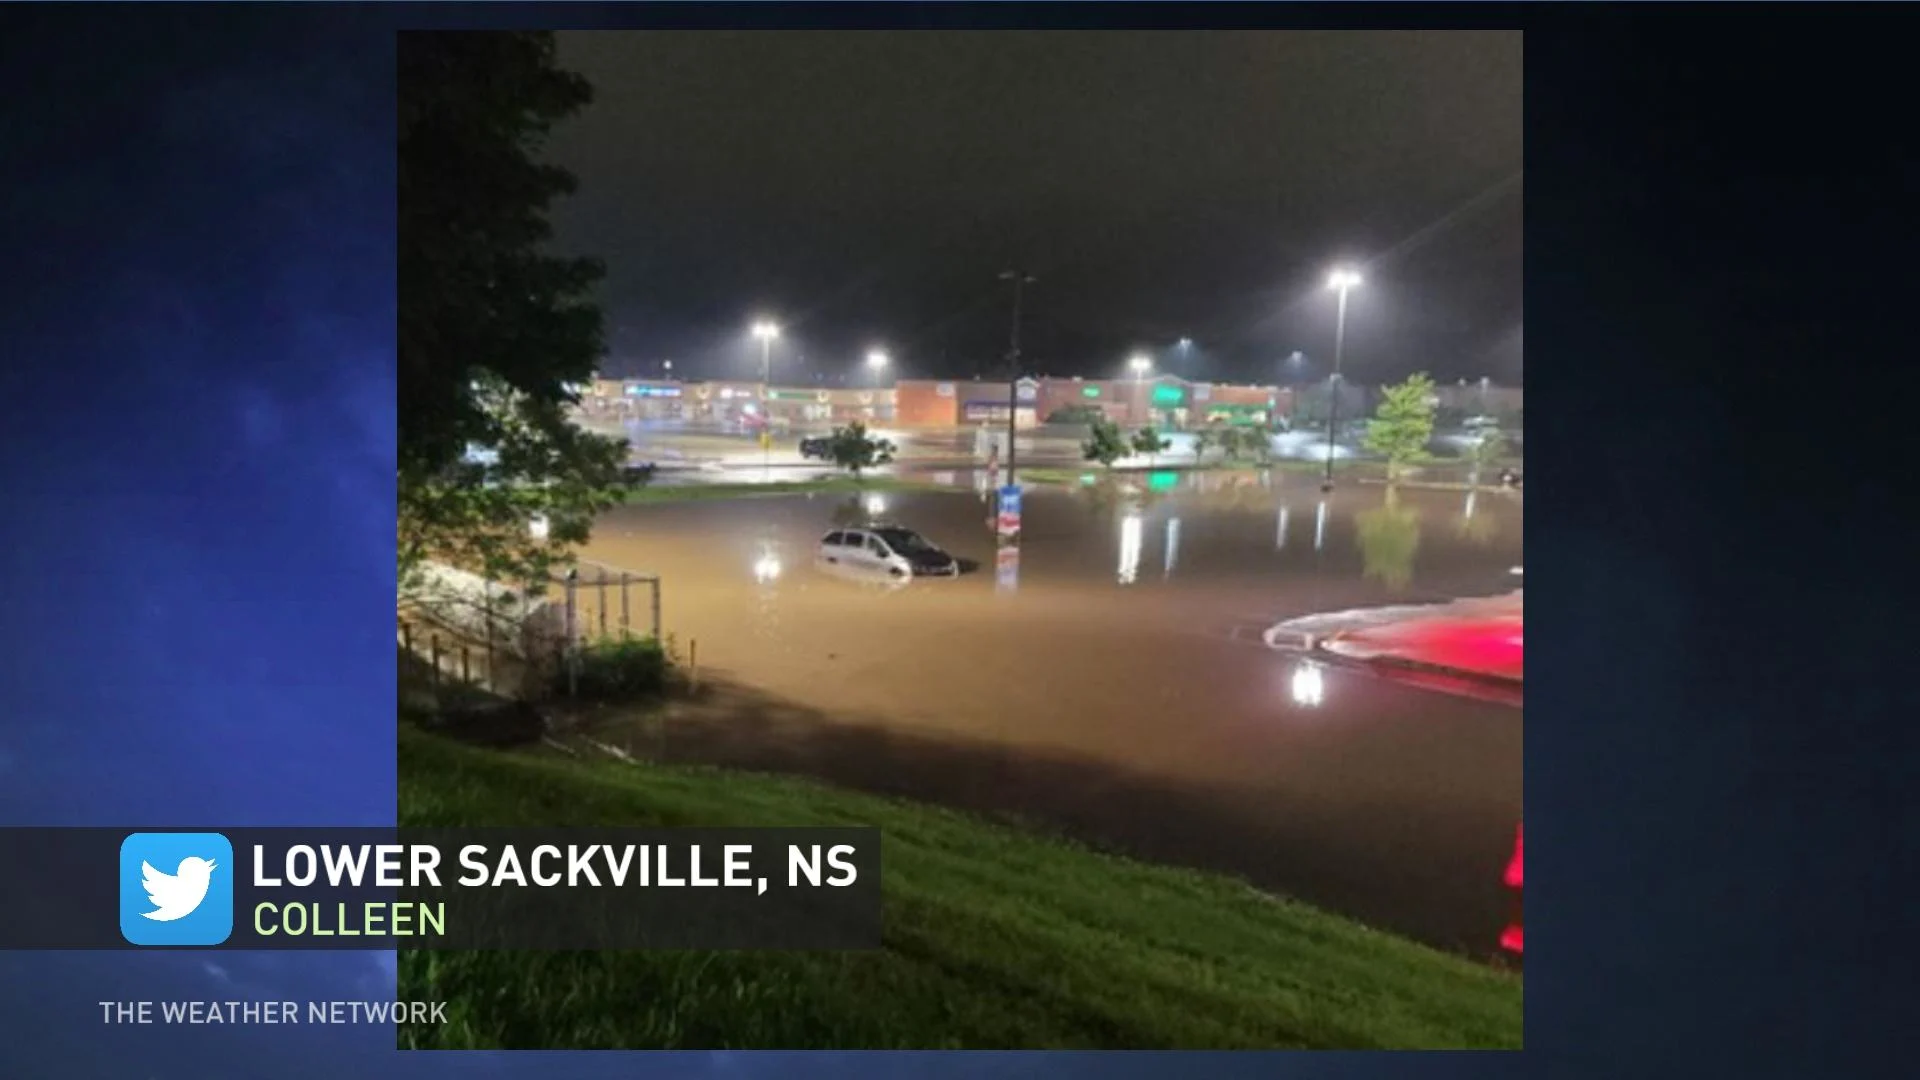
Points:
x=1139, y=364
x=766, y=331
x=877, y=361
x=1341, y=281
x=1020, y=282
x=1290, y=378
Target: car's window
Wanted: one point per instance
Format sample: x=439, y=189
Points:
x=876, y=547
x=903, y=540
x=834, y=539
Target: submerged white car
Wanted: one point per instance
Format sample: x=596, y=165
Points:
x=884, y=551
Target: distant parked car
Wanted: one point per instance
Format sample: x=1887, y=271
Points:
x=816, y=446
x=885, y=550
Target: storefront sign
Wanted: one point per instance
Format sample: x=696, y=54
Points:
x=1008, y=520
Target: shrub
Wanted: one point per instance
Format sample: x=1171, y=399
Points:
x=625, y=668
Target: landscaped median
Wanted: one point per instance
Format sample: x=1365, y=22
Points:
x=994, y=939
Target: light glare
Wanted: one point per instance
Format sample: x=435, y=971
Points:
x=1308, y=685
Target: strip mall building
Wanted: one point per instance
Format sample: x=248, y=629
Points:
x=1164, y=401
x=736, y=402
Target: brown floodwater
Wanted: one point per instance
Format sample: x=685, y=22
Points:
x=1112, y=684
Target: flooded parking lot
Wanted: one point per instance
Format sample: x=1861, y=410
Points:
x=1110, y=679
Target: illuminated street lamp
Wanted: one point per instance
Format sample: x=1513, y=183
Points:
x=766, y=330
x=877, y=361
x=1140, y=364
x=1340, y=281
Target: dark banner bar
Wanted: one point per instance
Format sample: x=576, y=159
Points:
x=508, y=889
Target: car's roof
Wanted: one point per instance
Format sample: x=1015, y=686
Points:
x=872, y=527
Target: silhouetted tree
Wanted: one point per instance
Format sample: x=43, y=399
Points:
x=1105, y=444
x=496, y=334
x=854, y=450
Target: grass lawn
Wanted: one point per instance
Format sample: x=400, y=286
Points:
x=657, y=493
x=994, y=939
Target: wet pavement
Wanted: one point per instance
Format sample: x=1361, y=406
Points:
x=1113, y=683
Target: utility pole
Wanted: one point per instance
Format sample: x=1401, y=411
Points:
x=1020, y=281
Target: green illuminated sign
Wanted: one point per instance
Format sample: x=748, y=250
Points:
x=1090, y=391
x=1169, y=395
x=790, y=395
x=1163, y=481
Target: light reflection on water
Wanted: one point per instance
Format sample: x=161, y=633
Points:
x=1130, y=548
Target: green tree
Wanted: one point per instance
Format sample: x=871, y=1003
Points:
x=1260, y=442
x=1148, y=441
x=1105, y=443
x=495, y=332
x=1233, y=442
x=1207, y=438
x=852, y=449
x=1254, y=442
x=1403, y=424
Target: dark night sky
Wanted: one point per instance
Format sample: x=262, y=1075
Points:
x=868, y=187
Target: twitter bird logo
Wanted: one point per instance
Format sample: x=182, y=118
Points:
x=176, y=889
x=176, y=895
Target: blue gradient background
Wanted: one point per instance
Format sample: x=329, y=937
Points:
x=196, y=414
